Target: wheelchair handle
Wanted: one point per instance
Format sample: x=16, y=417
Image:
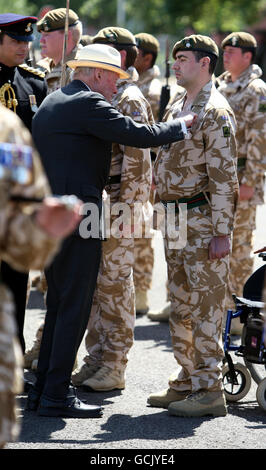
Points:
x=263, y=255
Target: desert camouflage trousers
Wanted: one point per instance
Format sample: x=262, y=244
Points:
x=197, y=288
x=143, y=263
x=11, y=369
x=143, y=251
x=110, y=331
x=241, y=262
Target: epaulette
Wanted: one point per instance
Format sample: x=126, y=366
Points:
x=32, y=70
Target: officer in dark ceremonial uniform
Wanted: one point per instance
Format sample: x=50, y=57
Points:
x=22, y=89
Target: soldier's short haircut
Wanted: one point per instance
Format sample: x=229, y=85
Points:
x=252, y=50
x=131, y=51
x=213, y=59
x=154, y=55
x=77, y=31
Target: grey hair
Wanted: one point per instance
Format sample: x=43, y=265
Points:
x=77, y=31
x=82, y=70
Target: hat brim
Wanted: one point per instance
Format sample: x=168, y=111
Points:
x=28, y=38
x=100, y=65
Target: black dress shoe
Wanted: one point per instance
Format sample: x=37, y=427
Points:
x=33, y=399
x=71, y=408
x=27, y=385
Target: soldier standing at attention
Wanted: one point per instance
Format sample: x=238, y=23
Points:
x=201, y=173
x=149, y=73
x=242, y=86
x=111, y=327
x=51, y=27
x=22, y=89
x=150, y=85
x=30, y=237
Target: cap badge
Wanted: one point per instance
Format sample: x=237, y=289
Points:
x=28, y=28
x=45, y=26
x=110, y=36
x=234, y=40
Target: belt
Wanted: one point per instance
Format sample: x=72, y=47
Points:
x=195, y=201
x=241, y=162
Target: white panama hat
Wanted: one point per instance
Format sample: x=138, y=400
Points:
x=99, y=56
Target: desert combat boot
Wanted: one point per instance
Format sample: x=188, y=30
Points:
x=105, y=380
x=142, y=306
x=85, y=372
x=161, y=315
x=165, y=397
x=201, y=403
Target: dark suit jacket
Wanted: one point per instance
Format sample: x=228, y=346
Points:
x=74, y=129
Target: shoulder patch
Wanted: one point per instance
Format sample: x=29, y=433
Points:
x=32, y=70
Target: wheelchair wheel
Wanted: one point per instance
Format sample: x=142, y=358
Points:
x=257, y=371
x=237, y=389
x=261, y=394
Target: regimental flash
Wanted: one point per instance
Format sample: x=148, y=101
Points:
x=226, y=131
x=262, y=104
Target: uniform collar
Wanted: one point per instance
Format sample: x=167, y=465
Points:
x=133, y=77
x=48, y=64
x=149, y=75
x=203, y=96
x=251, y=73
x=6, y=69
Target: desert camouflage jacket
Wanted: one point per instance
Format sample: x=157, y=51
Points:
x=206, y=162
x=247, y=98
x=132, y=164
x=150, y=86
x=22, y=243
x=53, y=72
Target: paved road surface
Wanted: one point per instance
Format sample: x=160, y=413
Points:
x=127, y=422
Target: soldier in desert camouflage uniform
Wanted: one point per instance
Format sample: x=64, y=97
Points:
x=200, y=172
x=246, y=93
x=27, y=242
x=149, y=73
x=111, y=325
x=150, y=86
x=51, y=27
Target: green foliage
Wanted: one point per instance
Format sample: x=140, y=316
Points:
x=17, y=6
x=171, y=17
x=99, y=12
x=228, y=15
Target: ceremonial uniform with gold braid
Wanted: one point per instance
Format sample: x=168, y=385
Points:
x=22, y=89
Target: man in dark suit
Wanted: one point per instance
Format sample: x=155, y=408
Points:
x=74, y=129
x=22, y=89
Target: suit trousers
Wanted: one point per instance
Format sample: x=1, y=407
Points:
x=71, y=280
x=18, y=283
